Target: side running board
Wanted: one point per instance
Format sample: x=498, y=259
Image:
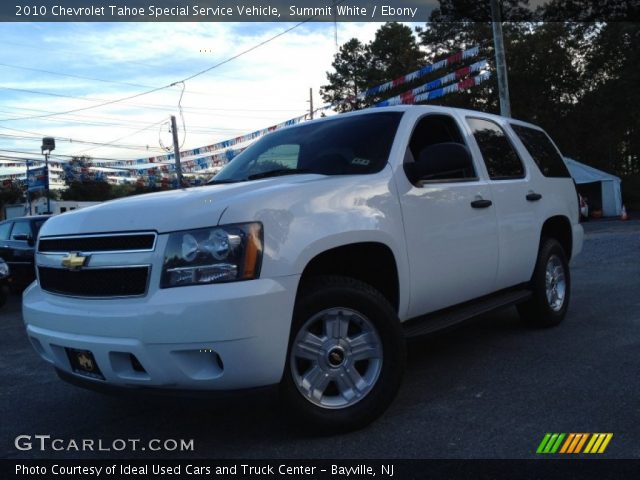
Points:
x=448, y=317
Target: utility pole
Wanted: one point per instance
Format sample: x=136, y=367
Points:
x=176, y=149
x=311, y=103
x=335, y=23
x=28, y=190
x=48, y=145
x=501, y=64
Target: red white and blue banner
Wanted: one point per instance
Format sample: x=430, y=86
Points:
x=409, y=98
x=156, y=169
x=435, y=84
x=424, y=71
x=202, y=150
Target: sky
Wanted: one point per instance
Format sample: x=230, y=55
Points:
x=55, y=67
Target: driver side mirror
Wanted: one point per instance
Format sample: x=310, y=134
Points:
x=25, y=238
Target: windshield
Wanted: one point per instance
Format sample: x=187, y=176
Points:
x=344, y=146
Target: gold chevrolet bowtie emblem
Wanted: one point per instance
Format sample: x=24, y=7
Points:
x=85, y=361
x=75, y=261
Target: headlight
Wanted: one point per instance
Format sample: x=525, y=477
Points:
x=4, y=269
x=213, y=255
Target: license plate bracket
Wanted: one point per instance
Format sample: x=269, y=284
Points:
x=83, y=363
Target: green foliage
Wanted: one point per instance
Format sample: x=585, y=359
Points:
x=87, y=188
x=631, y=192
x=579, y=81
x=10, y=195
x=122, y=190
x=87, y=191
x=393, y=52
x=350, y=76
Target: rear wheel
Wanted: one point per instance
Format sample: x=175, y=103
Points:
x=346, y=355
x=551, y=285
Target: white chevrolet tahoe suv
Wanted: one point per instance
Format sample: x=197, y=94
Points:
x=310, y=259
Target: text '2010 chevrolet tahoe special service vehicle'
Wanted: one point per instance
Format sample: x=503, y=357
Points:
x=310, y=259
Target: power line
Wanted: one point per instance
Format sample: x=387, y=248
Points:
x=132, y=123
x=83, y=142
x=71, y=75
x=83, y=77
x=38, y=154
x=112, y=142
x=88, y=142
x=219, y=64
x=111, y=102
x=142, y=105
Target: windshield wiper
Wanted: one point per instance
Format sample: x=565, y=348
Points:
x=277, y=173
x=218, y=182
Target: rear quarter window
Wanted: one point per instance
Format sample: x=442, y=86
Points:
x=542, y=150
x=501, y=159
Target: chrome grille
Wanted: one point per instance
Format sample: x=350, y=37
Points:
x=124, y=242
x=95, y=282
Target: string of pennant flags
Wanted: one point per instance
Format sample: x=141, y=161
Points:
x=157, y=168
x=410, y=77
x=426, y=70
x=433, y=85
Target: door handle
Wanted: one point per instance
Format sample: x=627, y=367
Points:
x=481, y=203
x=533, y=197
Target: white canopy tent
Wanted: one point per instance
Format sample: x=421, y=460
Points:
x=601, y=189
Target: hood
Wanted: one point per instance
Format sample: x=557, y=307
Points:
x=163, y=211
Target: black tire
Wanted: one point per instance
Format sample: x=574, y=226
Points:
x=17, y=288
x=542, y=311
x=364, y=311
x=3, y=296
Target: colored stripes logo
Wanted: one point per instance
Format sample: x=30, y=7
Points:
x=574, y=443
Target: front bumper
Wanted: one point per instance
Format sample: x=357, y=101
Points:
x=209, y=337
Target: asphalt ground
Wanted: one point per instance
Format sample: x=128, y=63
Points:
x=489, y=389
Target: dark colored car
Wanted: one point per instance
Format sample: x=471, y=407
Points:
x=4, y=281
x=17, y=245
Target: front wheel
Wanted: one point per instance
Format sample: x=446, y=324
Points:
x=346, y=355
x=551, y=285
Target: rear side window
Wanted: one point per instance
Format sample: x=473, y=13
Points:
x=499, y=156
x=5, y=228
x=539, y=146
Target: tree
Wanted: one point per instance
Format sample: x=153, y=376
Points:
x=461, y=24
x=610, y=133
x=393, y=53
x=122, y=190
x=349, y=78
x=9, y=194
x=84, y=183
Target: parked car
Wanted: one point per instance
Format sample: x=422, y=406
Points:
x=17, y=245
x=584, y=208
x=4, y=281
x=310, y=259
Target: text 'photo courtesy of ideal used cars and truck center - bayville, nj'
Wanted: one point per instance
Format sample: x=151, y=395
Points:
x=339, y=239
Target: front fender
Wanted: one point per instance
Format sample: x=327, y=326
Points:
x=302, y=220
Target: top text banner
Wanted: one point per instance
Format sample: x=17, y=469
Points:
x=216, y=10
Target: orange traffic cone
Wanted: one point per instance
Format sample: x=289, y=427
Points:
x=624, y=215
